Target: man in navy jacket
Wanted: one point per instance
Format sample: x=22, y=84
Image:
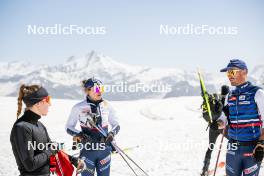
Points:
x=245, y=107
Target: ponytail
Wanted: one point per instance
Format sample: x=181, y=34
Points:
x=19, y=99
x=24, y=91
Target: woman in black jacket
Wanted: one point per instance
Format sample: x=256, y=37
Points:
x=29, y=138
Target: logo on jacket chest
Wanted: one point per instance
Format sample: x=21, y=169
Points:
x=239, y=98
x=242, y=97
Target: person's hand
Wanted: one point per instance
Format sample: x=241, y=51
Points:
x=81, y=166
x=258, y=151
x=53, y=151
x=78, y=139
x=53, y=148
x=221, y=124
x=83, y=137
x=109, y=138
x=49, y=152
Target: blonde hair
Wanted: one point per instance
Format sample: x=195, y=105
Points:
x=83, y=83
x=25, y=90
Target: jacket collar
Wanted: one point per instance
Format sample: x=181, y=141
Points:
x=95, y=103
x=29, y=116
x=243, y=87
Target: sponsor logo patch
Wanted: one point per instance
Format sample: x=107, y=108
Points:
x=244, y=102
x=242, y=97
x=105, y=160
x=251, y=169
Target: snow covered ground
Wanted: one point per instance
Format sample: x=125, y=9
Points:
x=170, y=134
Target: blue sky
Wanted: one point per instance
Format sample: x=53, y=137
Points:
x=133, y=32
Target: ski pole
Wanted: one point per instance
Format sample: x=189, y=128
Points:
x=99, y=128
x=129, y=158
x=120, y=150
x=128, y=163
x=220, y=148
x=128, y=148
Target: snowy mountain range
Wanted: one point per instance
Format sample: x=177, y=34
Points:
x=64, y=80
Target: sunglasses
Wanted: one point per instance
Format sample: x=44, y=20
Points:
x=99, y=89
x=232, y=72
x=47, y=99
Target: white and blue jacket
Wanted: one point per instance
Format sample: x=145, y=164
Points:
x=108, y=119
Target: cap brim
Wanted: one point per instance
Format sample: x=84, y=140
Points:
x=229, y=68
x=224, y=69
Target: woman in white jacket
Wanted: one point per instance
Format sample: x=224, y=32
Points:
x=96, y=149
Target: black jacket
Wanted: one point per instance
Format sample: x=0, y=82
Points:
x=26, y=130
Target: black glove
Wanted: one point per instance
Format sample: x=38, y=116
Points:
x=216, y=107
x=53, y=148
x=214, y=125
x=50, y=151
x=225, y=90
x=259, y=152
x=109, y=138
x=73, y=160
x=84, y=137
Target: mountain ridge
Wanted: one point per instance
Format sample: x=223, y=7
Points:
x=64, y=80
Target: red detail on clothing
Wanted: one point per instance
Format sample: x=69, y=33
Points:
x=248, y=154
x=61, y=165
x=232, y=98
x=246, y=125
